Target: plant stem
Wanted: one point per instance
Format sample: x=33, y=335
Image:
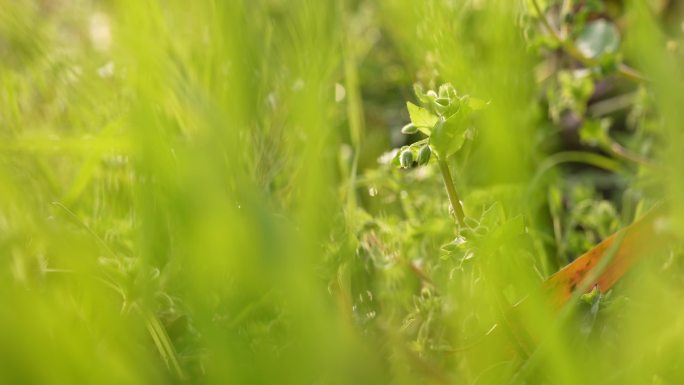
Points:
x=589, y=158
x=451, y=191
x=618, y=150
x=354, y=103
x=162, y=342
x=611, y=105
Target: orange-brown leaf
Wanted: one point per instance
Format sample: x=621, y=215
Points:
x=638, y=239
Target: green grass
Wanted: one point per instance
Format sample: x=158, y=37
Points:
x=203, y=192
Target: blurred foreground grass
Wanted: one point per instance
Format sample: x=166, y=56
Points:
x=190, y=191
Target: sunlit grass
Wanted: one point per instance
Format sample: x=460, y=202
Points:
x=191, y=193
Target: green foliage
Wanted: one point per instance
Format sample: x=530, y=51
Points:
x=228, y=192
x=421, y=118
x=595, y=132
x=444, y=119
x=598, y=38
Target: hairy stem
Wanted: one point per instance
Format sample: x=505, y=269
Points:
x=451, y=191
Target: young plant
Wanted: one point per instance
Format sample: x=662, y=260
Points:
x=444, y=119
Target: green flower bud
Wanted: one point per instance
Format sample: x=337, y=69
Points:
x=591, y=296
x=406, y=158
x=409, y=129
x=396, y=160
x=424, y=155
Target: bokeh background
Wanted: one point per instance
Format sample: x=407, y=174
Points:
x=201, y=192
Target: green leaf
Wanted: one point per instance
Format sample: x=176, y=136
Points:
x=447, y=91
x=423, y=119
x=448, y=136
x=424, y=97
x=598, y=37
x=493, y=215
x=441, y=105
x=595, y=6
x=595, y=132
x=590, y=296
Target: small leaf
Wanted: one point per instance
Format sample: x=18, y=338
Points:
x=448, y=136
x=423, y=119
x=493, y=215
x=421, y=95
x=598, y=37
x=589, y=297
x=595, y=132
x=447, y=91
x=441, y=105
